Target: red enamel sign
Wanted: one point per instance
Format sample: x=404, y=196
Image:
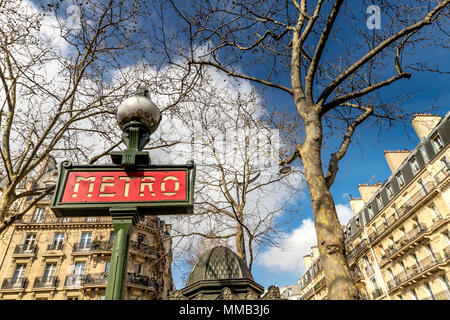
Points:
x=121, y=186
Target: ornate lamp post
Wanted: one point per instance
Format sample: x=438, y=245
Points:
x=138, y=117
x=129, y=188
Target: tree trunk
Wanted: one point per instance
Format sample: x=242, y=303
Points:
x=330, y=237
x=240, y=240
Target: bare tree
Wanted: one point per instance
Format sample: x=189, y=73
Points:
x=63, y=72
x=281, y=45
x=225, y=129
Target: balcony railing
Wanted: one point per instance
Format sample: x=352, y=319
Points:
x=74, y=281
x=404, y=241
x=414, y=270
x=55, y=246
x=415, y=199
x=369, y=269
x=357, y=249
x=25, y=249
x=96, y=278
x=50, y=219
x=143, y=248
x=141, y=280
x=45, y=282
x=14, y=283
x=93, y=246
x=377, y=293
x=442, y=295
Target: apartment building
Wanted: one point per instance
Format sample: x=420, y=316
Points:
x=398, y=242
x=50, y=258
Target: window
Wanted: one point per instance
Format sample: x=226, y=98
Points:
x=49, y=273
x=402, y=265
x=413, y=294
x=422, y=186
x=400, y=180
x=424, y=153
x=435, y=213
x=429, y=291
x=399, y=297
x=445, y=164
x=107, y=266
x=370, y=210
x=447, y=237
x=414, y=166
x=85, y=240
x=389, y=192
x=138, y=268
x=379, y=202
x=437, y=142
x=38, y=214
x=79, y=268
x=58, y=239
x=28, y=243
x=140, y=238
x=394, y=206
x=445, y=285
x=430, y=252
x=111, y=237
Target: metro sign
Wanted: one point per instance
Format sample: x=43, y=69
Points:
x=154, y=190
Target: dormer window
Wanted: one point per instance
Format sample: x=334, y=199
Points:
x=370, y=210
x=389, y=192
x=445, y=164
x=379, y=202
x=437, y=142
x=400, y=180
x=414, y=166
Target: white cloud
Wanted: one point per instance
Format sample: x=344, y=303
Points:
x=344, y=213
x=289, y=257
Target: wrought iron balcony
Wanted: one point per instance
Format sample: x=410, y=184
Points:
x=14, y=283
x=369, y=269
x=96, y=278
x=135, y=278
x=377, y=293
x=74, y=281
x=45, y=282
x=357, y=249
x=81, y=247
x=143, y=248
x=25, y=249
x=55, y=246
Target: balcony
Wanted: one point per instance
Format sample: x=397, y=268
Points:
x=95, y=279
x=357, y=249
x=377, y=293
x=142, y=248
x=425, y=265
x=45, y=282
x=141, y=280
x=403, y=242
x=25, y=249
x=442, y=295
x=402, y=211
x=14, y=283
x=369, y=269
x=74, y=281
x=57, y=246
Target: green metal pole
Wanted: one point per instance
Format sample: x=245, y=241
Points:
x=123, y=220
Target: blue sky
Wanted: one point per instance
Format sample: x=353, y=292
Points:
x=364, y=161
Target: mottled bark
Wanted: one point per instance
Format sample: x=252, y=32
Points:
x=330, y=237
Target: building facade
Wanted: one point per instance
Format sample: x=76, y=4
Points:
x=45, y=257
x=398, y=242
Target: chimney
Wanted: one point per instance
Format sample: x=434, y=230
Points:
x=315, y=252
x=307, y=260
x=395, y=158
x=368, y=190
x=357, y=204
x=423, y=123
